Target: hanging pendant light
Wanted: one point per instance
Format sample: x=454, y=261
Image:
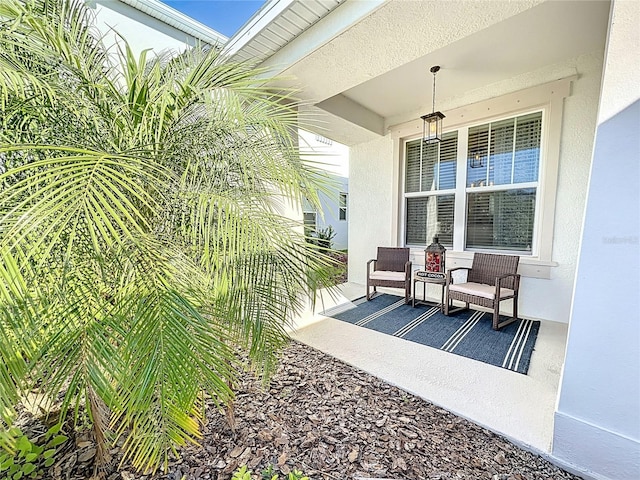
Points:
x=432, y=122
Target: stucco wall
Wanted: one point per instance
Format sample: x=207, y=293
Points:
x=371, y=203
x=597, y=423
x=551, y=299
x=375, y=186
x=140, y=30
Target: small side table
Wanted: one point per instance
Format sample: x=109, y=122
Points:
x=433, y=278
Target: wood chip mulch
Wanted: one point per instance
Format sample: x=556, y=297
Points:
x=332, y=421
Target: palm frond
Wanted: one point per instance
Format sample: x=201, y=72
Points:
x=172, y=351
x=142, y=226
x=96, y=193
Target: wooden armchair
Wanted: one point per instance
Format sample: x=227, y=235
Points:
x=490, y=280
x=391, y=268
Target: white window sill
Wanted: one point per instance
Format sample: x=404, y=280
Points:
x=531, y=267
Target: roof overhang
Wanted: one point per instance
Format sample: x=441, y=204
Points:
x=178, y=20
x=276, y=25
x=364, y=66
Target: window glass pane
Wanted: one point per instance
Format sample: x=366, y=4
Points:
x=309, y=223
x=527, y=157
x=513, y=147
x=444, y=225
x=437, y=170
x=412, y=176
x=416, y=221
x=448, y=159
x=310, y=219
x=477, y=161
x=501, y=152
x=428, y=216
x=429, y=163
x=501, y=220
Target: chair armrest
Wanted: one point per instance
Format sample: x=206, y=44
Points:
x=449, y=278
x=516, y=282
x=407, y=270
x=374, y=260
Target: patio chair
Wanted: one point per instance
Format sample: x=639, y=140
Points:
x=391, y=268
x=490, y=280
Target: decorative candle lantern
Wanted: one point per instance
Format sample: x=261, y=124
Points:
x=434, y=257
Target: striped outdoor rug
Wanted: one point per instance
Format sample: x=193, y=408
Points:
x=466, y=333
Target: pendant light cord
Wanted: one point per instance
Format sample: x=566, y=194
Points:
x=434, y=70
x=433, y=98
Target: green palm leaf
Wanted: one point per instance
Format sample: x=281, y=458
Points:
x=144, y=232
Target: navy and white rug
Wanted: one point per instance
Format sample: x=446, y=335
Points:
x=467, y=333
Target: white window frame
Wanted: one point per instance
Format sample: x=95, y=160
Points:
x=314, y=227
x=342, y=206
x=424, y=193
x=462, y=164
x=549, y=98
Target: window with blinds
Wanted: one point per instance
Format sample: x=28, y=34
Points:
x=430, y=178
x=499, y=195
x=342, y=207
x=503, y=157
x=310, y=223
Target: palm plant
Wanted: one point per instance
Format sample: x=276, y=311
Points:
x=142, y=234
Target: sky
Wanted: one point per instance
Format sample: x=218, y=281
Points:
x=224, y=16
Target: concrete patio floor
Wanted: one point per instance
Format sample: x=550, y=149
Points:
x=519, y=407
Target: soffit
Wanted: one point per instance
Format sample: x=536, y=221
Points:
x=380, y=64
x=276, y=24
x=544, y=35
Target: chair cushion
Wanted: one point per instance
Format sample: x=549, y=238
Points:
x=386, y=275
x=480, y=290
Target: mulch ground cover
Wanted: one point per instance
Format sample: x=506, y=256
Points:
x=331, y=421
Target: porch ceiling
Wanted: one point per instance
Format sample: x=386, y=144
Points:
x=376, y=73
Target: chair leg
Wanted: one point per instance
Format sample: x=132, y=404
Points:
x=446, y=305
x=508, y=321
